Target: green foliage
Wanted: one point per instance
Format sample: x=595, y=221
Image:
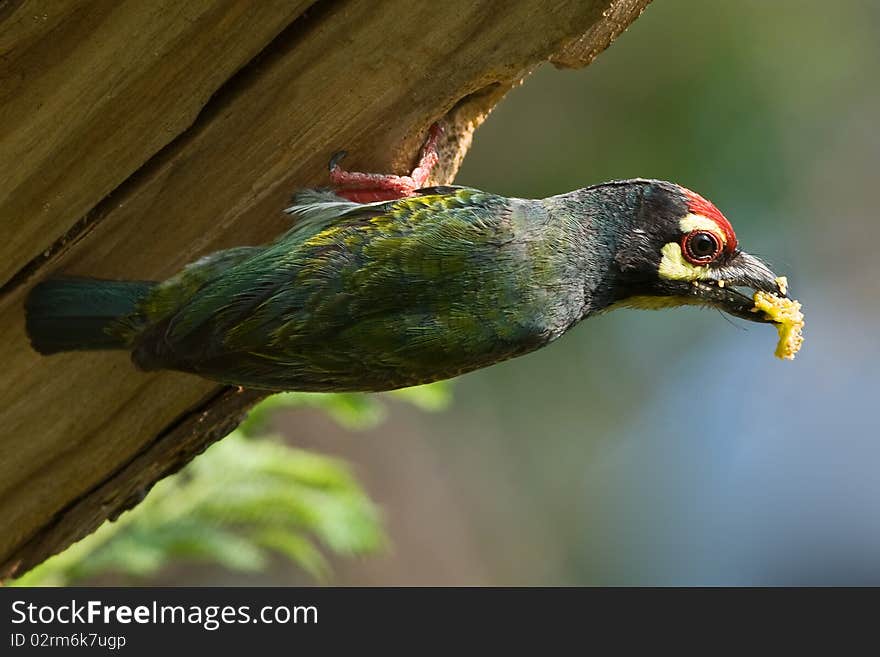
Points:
x=246, y=498
x=234, y=505
x=351, y=410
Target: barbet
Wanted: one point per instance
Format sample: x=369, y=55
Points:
x=382, y=284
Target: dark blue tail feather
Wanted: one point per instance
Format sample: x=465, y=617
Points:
x=71, y=314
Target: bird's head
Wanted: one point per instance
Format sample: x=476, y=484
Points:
x=676, y=248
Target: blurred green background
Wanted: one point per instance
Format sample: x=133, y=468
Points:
x=643, y=448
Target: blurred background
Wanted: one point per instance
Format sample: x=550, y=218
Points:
x=652, y=448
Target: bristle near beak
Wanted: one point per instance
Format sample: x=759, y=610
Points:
x=743, y=271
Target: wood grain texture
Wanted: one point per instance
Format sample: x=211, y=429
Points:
x=82, y=435
x=90, y=90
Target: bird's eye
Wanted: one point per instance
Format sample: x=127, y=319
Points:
x=701, y=247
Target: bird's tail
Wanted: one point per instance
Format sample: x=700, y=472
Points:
x=71, y=314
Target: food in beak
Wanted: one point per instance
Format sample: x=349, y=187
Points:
x=782, y=284
x=769, y=303
x=786, y=314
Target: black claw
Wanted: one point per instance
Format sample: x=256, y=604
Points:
x=336, y=158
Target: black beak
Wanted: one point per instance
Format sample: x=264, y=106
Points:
x=742, y=271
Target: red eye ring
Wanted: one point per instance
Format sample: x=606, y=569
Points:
x=700, y=247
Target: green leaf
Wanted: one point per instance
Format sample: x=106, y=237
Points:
x=242, y=500
x=247, y=497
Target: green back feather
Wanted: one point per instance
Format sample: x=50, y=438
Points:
x=365, y=297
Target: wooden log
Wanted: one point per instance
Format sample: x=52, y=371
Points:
x=138, y=186
x=92, y=90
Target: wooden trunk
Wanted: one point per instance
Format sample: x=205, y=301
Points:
x=138, y=135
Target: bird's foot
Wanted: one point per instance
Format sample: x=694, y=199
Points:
x=369, y=187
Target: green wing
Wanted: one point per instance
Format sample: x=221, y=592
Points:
x=385, y=294
x=166, y=297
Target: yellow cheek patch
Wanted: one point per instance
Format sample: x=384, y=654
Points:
x=694, y=222
x=674, y=267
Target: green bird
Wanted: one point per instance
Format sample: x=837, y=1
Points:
x=381, y=283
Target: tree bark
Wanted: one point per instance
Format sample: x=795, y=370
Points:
x=137, y=136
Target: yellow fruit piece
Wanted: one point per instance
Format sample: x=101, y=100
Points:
x=789, y=320
x=782, y=284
